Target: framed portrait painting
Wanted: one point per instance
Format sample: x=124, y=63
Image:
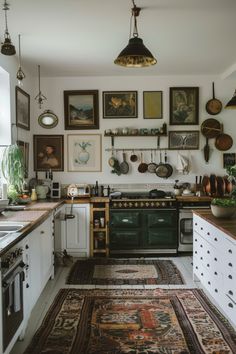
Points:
x=184, y=140
x=184, y=105
x=81, y=109
x=48, y=152
x=25, y=152
x=152, y=104
x=84, y=152
x=22, y=109
x=120, y=104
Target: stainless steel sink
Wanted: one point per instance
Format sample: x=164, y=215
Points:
x=7, y=227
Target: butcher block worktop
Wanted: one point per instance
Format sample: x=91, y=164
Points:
x=228, y=226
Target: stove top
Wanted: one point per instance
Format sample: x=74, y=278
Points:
x=142, y=195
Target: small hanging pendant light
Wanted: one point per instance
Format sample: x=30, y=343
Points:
x=40, y=97
x=20, y=75
x=135, y=54
x=7, y=48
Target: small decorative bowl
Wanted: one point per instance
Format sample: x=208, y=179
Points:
x=20, y=200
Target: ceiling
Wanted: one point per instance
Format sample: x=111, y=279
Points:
x=83, y=37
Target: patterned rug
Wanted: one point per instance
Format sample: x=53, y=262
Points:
x=108, y=271
x=176, y=321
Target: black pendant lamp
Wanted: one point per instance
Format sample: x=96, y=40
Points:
x=7, y=48
x=40, y=97
x=135, y=54
x=20, y=75
x=232, y=103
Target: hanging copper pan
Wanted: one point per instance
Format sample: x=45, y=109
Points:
x=223, y=141
x=213, y=106
x=210, y=128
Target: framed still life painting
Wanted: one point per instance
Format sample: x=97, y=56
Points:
x=120, y=104
x=84, y=152
x=184, y=105
x=81, y=109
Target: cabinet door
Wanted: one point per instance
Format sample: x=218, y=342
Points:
x=160, y=218
x=77, y=229
x=125, y=219
x=34, y=267
x=162, y=238
x=124, y=239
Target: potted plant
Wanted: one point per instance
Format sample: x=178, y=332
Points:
x=223, y=208
x=13, y=171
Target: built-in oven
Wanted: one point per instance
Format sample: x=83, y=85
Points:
x=12, y=277
x=185, y=226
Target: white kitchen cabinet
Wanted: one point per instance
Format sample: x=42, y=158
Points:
x=214, y=264
x=75, y=232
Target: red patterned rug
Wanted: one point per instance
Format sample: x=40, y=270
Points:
x=109, y=271
x=176, y=321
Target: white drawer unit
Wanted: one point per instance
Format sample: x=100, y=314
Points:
x=214, y=264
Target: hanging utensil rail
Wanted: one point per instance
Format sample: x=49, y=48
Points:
x=135, y=149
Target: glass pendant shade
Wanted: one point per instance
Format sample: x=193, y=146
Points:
x=135, y=55
x=40, y=97
x=20, y=75
x=232, y=103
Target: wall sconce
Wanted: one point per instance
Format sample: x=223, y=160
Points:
x=7, y=48
x=135, y=54
x=232, y=103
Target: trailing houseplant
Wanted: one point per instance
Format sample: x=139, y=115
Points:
x=13, y=170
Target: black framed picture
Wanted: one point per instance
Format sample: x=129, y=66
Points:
x=48, y=152
x=152, y=104
x=22, y=109
x=120, y=104
x=81, y=109
x=184, y=140
x=25, y=151
x=229, y=159
x=184, y=105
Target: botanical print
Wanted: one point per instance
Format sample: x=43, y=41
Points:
x=120, y=104
x=84, y=152
x=183, y=105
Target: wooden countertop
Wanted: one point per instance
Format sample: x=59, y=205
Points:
x=228, y=226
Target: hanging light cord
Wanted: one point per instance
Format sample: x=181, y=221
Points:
x=134, y=14
x=40, y=97
x=19, y=51
x=6, y=8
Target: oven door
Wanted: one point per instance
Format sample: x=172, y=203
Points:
x=185, y=230
x=12, y=303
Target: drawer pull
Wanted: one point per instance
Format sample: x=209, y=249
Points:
x=230, y=292
x=209, y=282
x=201, y=228
x=215, y=259
x=195, y=224
x=208, y=233
x=215, y=273
x=42, y=232
x=216, y=290
x=202, y=274
x=230, y=276
x=215, y=239
x=208, y=265
x=230, y=305
x=196, y=267
x=201, y=258
x=125, y=220
x=195, y=252
x=201, y=246
x=195, y=240
x=160, y=220
x=230, y=265
x=230, y=251
x=208, y=252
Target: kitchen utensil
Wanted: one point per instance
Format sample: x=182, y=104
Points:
x=161, y=170
x=213, y=106
x=213, y=184
x=228, y=185
x=112, y=160
x=142, y=168
x=124, y=166
x=220, y=186
x=169, y=167
x=210, y=128
x=205, y=182
x=155, y=193
x=152, y=165
x=223, y=141
x=133, y=157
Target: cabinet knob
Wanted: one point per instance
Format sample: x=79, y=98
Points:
x=215, y=273
x=230, y=276
x=201, y=246
x=230, y=292
x=230, y=251
x=202, y=274
x=230, y=305
x=196, y=267
x=216, y=290
x=230, y=264
x=195, y=252
x=42, y=232
x=208, y=265
x=215, y=239
x=27, y=286
x=195, y=240
x=201, y=228
x=208, y=233
x=26, y=247
x=201, y=258
x=195, y=224
x=208, y=252
x=209, y=283
x=215, y=259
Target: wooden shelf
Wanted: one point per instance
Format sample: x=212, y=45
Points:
x=97, y=250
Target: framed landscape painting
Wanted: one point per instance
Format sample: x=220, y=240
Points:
x=48, y=152
x=81, y=109
x=22, y=109
x=120, y=104
x=152, y=104
x=84, y=152
x=184, y=105
x=184, y=140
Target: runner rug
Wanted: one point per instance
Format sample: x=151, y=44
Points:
x=173, y=321
x=119, y=272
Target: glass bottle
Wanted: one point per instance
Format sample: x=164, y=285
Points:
x=33, y=195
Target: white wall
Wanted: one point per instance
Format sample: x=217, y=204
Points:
x=53, y=89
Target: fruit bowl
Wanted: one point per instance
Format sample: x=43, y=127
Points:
x=23, y=200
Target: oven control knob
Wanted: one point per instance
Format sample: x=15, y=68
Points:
x=141, y=204
x=136, y=204
x=163, y=204
x=130, y=204
x=152, y=204
x=157, y=204
x=147, y=204
x=120, y=204
x=125, y=204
